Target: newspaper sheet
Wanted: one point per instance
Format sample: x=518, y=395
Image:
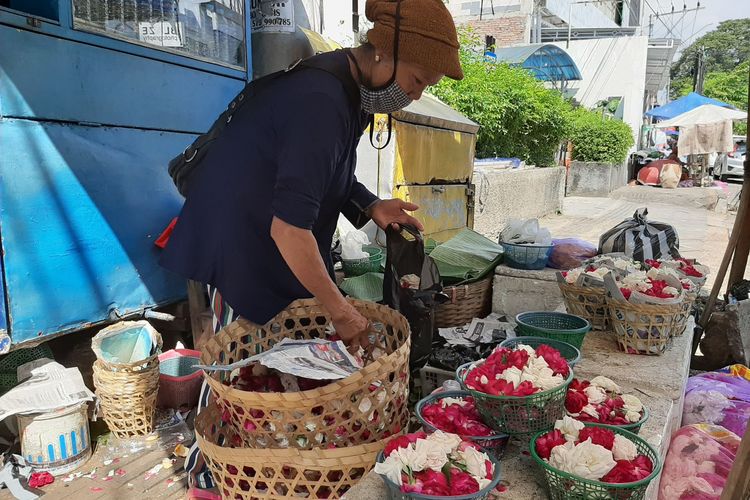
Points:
x=51, y=386
x=479, y=331
x=314, y=359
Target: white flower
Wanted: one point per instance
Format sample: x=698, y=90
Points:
x=483, y=483
x=670, y=290
x=595, y=394
x=448, y=442
x=415, y=459
x=446, y=402
x=586, y=460
x=705, y=406
x=636, y=281
x=475, y=461
x=540, y=374
x=590, y=409
x=434, y=452
x=653, y=273
x=624, y=448
x=391, y=468
x=605, y=383
x=632, y=416
x=622, y=264
x=512, y=375
x=529, y=350
x=570, y=427
x=632, y=403
x=483, y=379
x=572, y=276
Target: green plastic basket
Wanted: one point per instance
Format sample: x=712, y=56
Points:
x=395, y=493
x=553, y=325
x=520, y=416
x=571, y=354
x=494, y=445
x=635, y=427
x=564, y=486
x=11, y=361
x=358, y=267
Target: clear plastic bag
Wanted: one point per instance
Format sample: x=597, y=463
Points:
x=718, y=398
x=698, y=462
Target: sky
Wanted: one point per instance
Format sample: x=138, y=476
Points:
x=692, y=25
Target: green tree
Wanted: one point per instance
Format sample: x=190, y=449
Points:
x=597, y=138
x=726, y=47
x=517, y=114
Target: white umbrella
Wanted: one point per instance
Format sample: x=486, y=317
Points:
x=703, y=115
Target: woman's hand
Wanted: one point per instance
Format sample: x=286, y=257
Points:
x=393, y=212
x=352, y=327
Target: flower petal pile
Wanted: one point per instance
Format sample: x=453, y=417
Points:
x=457, y=416
x=519, y=372
x=439, y=464
x=593, y=453
x=601, y=400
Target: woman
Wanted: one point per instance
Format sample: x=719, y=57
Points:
x=261, y=211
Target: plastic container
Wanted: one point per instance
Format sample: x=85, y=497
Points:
x=570, y=352
x=432, y=378
x=179, y=380
x=494, y=445
x=553, y=325
x=56, y=441
x=358, y=267
x=520, y=416
x=563, y=486
x=526, y=256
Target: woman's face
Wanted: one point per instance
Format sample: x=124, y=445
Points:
x=411, y=77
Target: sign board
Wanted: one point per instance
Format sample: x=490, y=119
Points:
x=270, y=16
x=163, y=33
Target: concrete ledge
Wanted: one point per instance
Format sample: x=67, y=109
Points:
x=515, y=194
x=659, y=381
x=595, y=179
x=516, y=290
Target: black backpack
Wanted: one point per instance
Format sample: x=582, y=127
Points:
x=183, y=165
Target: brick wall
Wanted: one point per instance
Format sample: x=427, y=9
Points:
x=508, y=31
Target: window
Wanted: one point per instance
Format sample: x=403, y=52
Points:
x=212, y=30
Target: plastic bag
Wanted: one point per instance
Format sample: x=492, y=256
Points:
x=698, y=463
x=718, y=398
x=641, y=239
x=405, y=257
x=525, y=232
x=351, y=245
x=569, y=253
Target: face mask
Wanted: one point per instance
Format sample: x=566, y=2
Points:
x=387, y=99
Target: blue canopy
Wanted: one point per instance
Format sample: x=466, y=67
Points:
x=547, y=62
x=683, y=105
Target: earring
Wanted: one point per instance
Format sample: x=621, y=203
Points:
x=377, y=58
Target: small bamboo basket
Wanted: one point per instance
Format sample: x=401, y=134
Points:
x=589, y=303
x=645, y=328
x=469, y=301
x=127, y=394
x=365, y=407
x=681, y=320
x=278, y=473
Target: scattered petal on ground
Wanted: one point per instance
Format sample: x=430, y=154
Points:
x=96, y=489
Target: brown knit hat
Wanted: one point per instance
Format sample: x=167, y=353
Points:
x=427, y=33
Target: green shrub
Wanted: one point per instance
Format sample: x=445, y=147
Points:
x=598, y=139
x=518, y=116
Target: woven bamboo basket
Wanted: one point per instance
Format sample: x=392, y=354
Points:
x=278, y=473
x=589, y=303
x=644, y=328
x=364, y=407
x=127, y=395
x=469, y=301
x=682, y=319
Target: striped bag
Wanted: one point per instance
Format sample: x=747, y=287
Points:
x=641, y=239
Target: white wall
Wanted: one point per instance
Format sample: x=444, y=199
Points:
x=467, y=10
x=582, y=15
x=612, y=67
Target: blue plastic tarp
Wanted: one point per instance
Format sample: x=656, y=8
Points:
x=683, y=105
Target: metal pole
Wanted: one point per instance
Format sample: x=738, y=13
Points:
x=743, y=245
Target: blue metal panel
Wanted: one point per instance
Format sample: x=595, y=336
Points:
x=80, y=208
x=73, y=81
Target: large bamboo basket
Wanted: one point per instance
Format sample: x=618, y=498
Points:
x=589, y=303
x=645, y=328
x=364, y=407
x=681, y=320
x=127, y=394
x=278, y=473
x=469, y=301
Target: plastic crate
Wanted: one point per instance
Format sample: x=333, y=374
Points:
x=433, y=378
x=553, y=325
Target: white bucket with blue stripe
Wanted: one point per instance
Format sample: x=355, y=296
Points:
x=57, y=441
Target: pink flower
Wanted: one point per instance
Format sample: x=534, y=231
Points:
x=554, y=359
x=628, y=471
x=598, y=435
x=395, y=444
x=462, y=483
x=575, y=401
x=39, y=479
x=433, y=483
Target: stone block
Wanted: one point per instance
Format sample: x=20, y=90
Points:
x=594, y=179
x=515, y=291
x=743, y=310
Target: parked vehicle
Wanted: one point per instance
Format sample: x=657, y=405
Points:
x=732, y=164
